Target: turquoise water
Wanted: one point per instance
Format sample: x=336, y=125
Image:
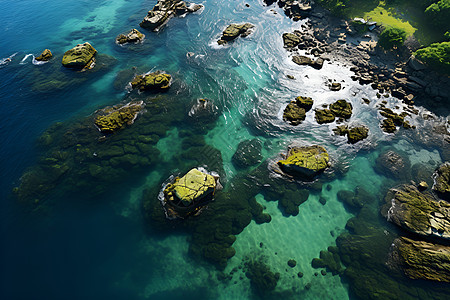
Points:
x=81, y=243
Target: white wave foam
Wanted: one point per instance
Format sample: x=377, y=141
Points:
x=7, y=60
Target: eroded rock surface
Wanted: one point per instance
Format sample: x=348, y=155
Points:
x=305, y=161
x=156, y=81
x=235, y=30
x=80, y=57
x=442, y=181
x=134, y=36
x=113, y=118
x=417, y=212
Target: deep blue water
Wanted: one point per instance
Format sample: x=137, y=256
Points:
x=101, y=248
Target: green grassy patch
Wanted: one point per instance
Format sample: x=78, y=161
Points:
x=388, y=18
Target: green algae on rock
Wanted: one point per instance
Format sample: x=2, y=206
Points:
x=233, y=31
x=80, y=57
x=341, y=109
x=295, y=112
x=156, y=81
x=421, y=259
x=354, y=134
x=306, y=161
x=330, y=260
x=417, y=212
x=111, y=119
x=189, y=194
x=442, y=181
x=164, y=10
x=134, y=36
x=46, y=55
x=324, y=116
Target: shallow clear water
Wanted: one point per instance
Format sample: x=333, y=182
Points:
x=103, y=247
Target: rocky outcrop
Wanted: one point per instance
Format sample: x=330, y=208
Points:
x=134, y=36
x=306, y=162
x=114, y=118
x=421, y=260
x=442, y=181
x=235, y=30
x=82, y=56
x=324, y=116
x=354, y=134
x=156, y=81
x=341, y=109
x=290, y=40
x=248, y=153
x=389, y=125
x=164, y=10
x=417, y=212
x=188, y=194
x=294, y=9
x=46, y=55
x=295, y=112
x=306, y=61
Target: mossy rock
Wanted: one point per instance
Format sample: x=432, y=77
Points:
x=248, y=153
x=233, y=31
x=291, y=200
x=304, y=102
x=417, y=212
x=46, y=55
x=293, y=114
x=79, y=57
x=306, y=162
x=324, y=116
x=330, y=260
x=423, y=260
x=134, y=36
x=388, y=126
x=156, y=81
x=341, y=109
x=442, y=181
x=357, y=134
x=111, y=119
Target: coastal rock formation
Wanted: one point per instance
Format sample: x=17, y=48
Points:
x=156, y=81
x=111, y=119
x=442, y=181
x=248, y=153
x=134, y=36
x=389, y=125
x=294, y=9
x=295, y=112
x=262, y=279
x=290, y=40
x=341, y=109
x=354, y=134
x=80, y=57
x=357, y=134
x=45, y=55
x=164, y=10
x=306, y=161
x=188, y=194
x=233, y=31
x=417, y=212
x=422, y=260
x=324, y=116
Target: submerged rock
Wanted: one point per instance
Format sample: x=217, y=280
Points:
x=164, y=10
x=305, y=161
x=134, y=36
x=80, y=57
x=156, y=81
x=442, y=181
x=46, y=55
x=262, y=279
x=248, y=153
x=189, y=194
x=341, y=109
x=422, y=260
x=111, y=119
x=233, y=31
x=392, y=164
x=417, y=212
